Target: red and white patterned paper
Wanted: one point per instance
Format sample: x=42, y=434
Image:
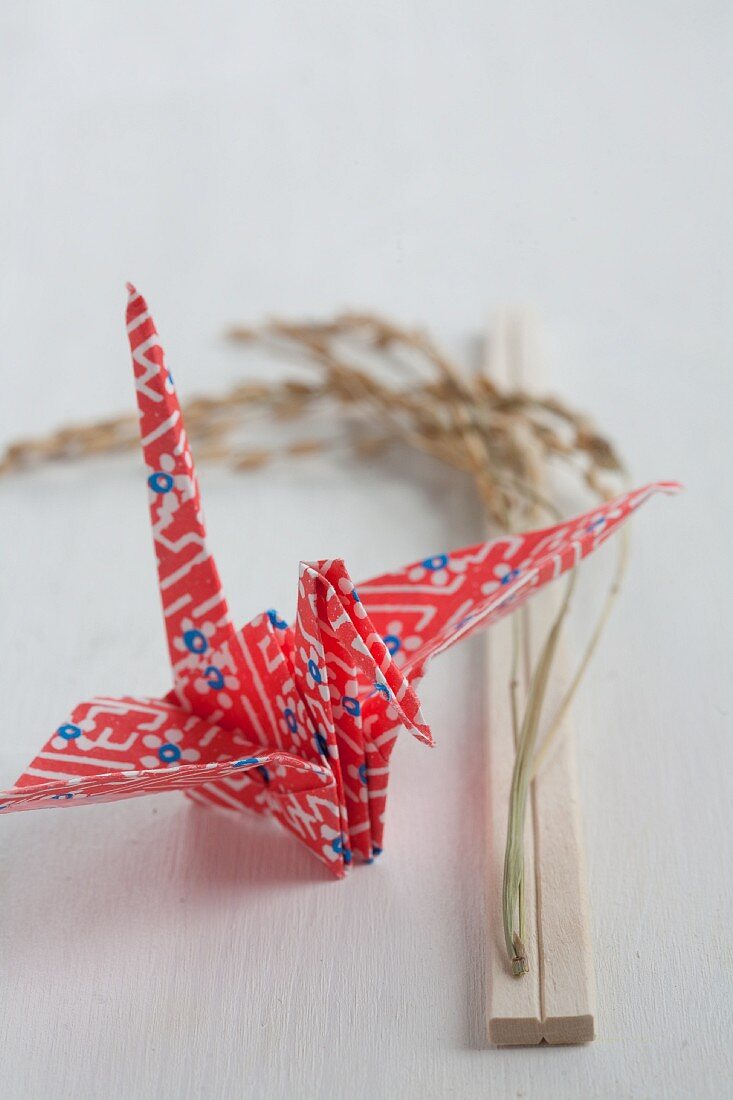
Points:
x=297, y=721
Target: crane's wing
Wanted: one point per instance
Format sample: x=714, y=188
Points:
x=122, y=747
x=427, y=606
x=422, y=609
x=112, y=749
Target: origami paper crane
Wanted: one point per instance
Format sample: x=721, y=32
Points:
x=295, y=721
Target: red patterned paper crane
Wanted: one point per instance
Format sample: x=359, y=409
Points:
x=296, y=721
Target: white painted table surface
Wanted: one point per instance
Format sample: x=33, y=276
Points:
x=424, y=159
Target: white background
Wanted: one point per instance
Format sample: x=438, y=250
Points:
x=428, y=160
